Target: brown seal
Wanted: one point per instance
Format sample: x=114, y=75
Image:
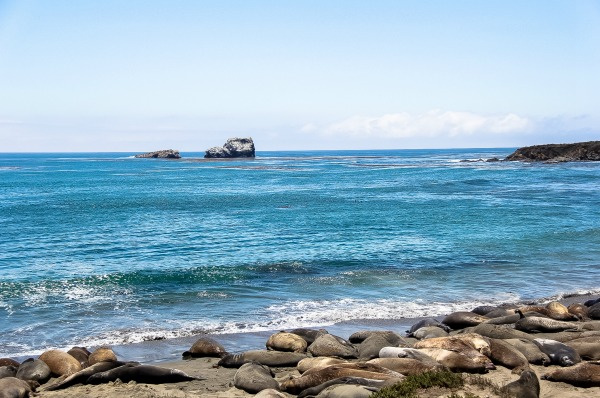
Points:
x=317, y=362
x=102, y=354
x=457, y=362
x=502, y=353
x=329, y=345
x=205, y=347
x=584, y=374
x=460, y=345
x=9, y=362
x=60, y=363
x=283, y=341
x=81, y=354
x=11, y=387
x=527, y=386
x=298, y=384
x=405, y=366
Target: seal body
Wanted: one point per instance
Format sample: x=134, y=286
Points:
x=370, y=347
x=34, y=369
x=463, y=319
x=60, y=363
x=253, y=378
x=317, y=362
x=329, y=345
x=309, y=335
x=283, y=341
x=141, y=374
x=584, y=374
x=559, y=353
x=406, y=366
x=269, y=358
x=205, y=347
x=8, y=371
x=102, y=354
x=11, y=387
x=535, y=324
x=527, y=386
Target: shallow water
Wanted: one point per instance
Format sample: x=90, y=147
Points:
x=107, y=249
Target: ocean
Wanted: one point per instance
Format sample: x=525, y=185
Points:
x=102, y=248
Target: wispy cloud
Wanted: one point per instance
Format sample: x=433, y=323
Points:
x=433, y=123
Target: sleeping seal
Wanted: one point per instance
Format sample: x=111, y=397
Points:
x=585, y=374
x=83, y=375
x=559, y=353
x=269, y=358
x=253, y=377
x=60, y=363
x=357, y=381
x=283, y=341
x=141, y=374
x=536, y=324
x=11, y=387
x=205, y=347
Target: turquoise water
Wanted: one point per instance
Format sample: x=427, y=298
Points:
x=102, y=248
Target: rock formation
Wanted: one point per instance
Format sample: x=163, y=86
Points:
x=233, y=148
x=583, y=151
x=164, y=154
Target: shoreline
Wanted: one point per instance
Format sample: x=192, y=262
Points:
x=168, y=350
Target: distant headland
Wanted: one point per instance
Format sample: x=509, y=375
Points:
x=580, y=151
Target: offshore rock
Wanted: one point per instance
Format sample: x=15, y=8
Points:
x=233, y=148
x=583, y=151
x=164, y=154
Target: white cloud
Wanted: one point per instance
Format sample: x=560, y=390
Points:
x=435, y=123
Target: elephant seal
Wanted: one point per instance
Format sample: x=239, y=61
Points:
x=464, y=347
x=270, y=393
x=579, y=310
x=427, y=322
x=269, y=358
x=102, y=354
x=591, y=302
x=329, y=345
x=500, y=313
x=559, y=312
x=253, y=377
x=594, y=311
x=502, y=353
x=500, y=332
x=141, y=374
x=585, y=374
x=427, y=332
x=559, y=353
x=205, y=347
x=60, y=363
x=358, y=381
x=457, y=362
x=83, y=375
x=587, y=347
x=8, y=371
x=406, y=366
x=463, y=319
x=310, y=335
x=34, y=369
x=346, y=391
x=564, y=337
x=527, y=386
x=9, y=362
x=81, y=354
x=483, y=309
x=317, y=362
x=359, y=337
x=590, y=325
x=362, y=366
x=298, y=384
x=406, y=352
x=535, y=324
x=11, y=387
x=371, y=346
x=283, y=341
x=504, y=320
x=530, y=350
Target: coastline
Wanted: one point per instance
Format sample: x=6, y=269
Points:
x=218, y=381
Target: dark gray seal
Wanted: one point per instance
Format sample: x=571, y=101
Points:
x=8, y=371
x=34, y=369
x=83, y=375
x=530, y=350
x=536, y=324
x=329, y=345
x=371, y=346
x=269, y=358
x=309, y=335
x=500, y=332
x=205, y=347
x=141, y=374
x=428, y=332
x=527, y=386
x=253, y=377
x=427, y=322
x=594, y=311
x=484, y=309
x=591, y=302
x=559, y=353
x=81, y=354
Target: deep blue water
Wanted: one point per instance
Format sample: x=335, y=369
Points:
x=103, y=248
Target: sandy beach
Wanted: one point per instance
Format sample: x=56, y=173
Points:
x=218, y=381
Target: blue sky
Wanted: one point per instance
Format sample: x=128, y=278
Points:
x=144, y=75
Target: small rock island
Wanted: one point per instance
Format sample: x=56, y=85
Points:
x=233, y=148
x=164, y=154
x=580, y=151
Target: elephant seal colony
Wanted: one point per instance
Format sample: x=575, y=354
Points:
x=533, y=351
